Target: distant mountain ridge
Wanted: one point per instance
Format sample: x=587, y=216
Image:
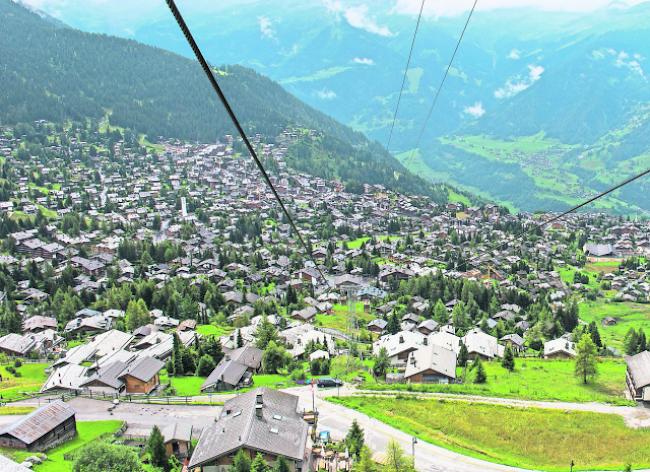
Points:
x=56, y=73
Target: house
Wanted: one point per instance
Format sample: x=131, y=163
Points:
x=431, y=364
x=427, y=327
x=399, y=346
x=560, y=348
x=480, y=344
x=598, y=250
x=177, y=439
x=306, y=314
x=49, y=426
x=515, y=342
x=638, y=376
x=142, y=375
x=14, y=344
x=228, y=375
x=260, y=421
x=39, y=323
x=377, y=326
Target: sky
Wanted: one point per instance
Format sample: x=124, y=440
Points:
x=124, y=17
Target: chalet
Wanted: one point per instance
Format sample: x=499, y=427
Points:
x=228, y=375
x=142, y=375
x=399, y=346
x=377, y=326
x=560, y=348
x=431, y=364
x=261, y=421
x=39, y=323
x=638, y=376
x=515, y=342
x=177, y=438
x=47, y=427
x=480, y=344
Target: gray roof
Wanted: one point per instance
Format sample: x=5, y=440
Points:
x=40, y=422
x=431, y=357
x=228, y=371
x=177, y=432
x=143, y=368
x=16, y=343
x=639, y=368
x=248, y=355
x=7, y=465
x=281, y=430
x=108, y=375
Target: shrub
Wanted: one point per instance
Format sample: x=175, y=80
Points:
x=17, y=363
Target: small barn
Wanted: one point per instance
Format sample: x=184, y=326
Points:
x=45, y=428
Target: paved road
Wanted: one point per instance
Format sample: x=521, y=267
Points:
x=337, y=419
x=141, y=414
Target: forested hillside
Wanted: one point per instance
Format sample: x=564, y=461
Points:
x=56, y=73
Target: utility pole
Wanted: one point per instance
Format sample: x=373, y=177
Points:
x=414, y=441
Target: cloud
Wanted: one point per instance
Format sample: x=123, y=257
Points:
x=437, y=9
x=622, y=59
x=475, y=111
x=357, y=17
x=326, y=94
x=366, y=61
x=518, y=84
x=515, y=54
x=266, y=27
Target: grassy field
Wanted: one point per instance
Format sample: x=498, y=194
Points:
x=628, y=315
x=190, y=386
x=522, y=437
x=536, y=379
x=339, y=319
x=213, y=330
x=88, y=431
x=566, y=274
x=32, y=377
x=16, y=410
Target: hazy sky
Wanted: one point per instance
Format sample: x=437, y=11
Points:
x=434, y=7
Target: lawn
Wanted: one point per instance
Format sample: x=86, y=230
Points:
x=340, y=318
x=32, y=377
x=535, y=379
x=566, y=274
x=213, y=330
x=532, y=438
x=628, y=315
x=88, y=431
x=190, y=386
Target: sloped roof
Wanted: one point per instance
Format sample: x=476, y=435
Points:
x=431, y=357
x=228, y=371
x=639, y=368
x=144, y=368
x=280, y=430
x=40, y=422
x=7, y=465
x=16, y=343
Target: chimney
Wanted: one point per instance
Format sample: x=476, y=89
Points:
x=259, y=406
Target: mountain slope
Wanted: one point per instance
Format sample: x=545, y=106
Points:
x=56, y=74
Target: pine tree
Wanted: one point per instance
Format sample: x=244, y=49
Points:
x=259, y=464
x=281, y=465
x=462, y=355
x=355, y=439
x=393, y=326
x=508, y=361
x=481, y=376
x=241, y=462
x=238, y=340
x=265, y=333
x=365, y=463
x=177, y=356
x=156, y=449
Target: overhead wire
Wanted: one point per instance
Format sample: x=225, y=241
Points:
x=233, y=117
x=406, y=69
x=444, y=77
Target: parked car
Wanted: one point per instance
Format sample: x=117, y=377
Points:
x=329, y=382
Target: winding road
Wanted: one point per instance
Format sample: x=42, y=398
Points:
x=337, y=420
